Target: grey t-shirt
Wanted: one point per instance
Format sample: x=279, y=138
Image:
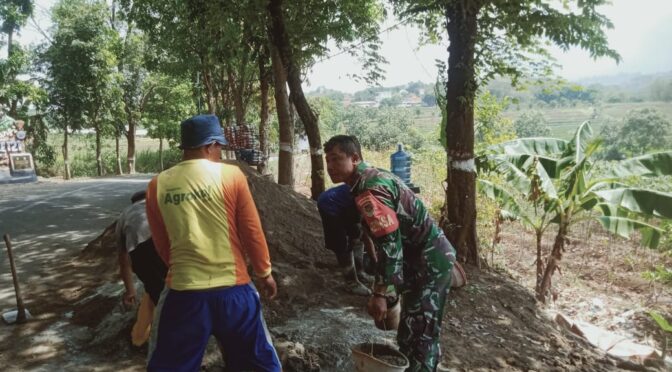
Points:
x=132, y=227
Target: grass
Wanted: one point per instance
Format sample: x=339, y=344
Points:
x=81, y=151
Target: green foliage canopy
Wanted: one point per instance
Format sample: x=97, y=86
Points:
x=513, y=36
x=532, y=124
x=79, y=61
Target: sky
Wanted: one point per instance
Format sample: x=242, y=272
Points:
x=642, y=35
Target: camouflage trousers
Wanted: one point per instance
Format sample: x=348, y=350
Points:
x=420, y=324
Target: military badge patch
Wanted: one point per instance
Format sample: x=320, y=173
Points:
x=380, y=218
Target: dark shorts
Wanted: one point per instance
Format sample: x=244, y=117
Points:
x=149, y=268
x=340, y=221
x=184, y=321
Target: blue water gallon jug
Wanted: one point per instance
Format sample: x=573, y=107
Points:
x=401, y=164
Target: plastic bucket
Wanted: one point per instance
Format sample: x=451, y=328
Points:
x=369, y=357
x=459, y=277
x=391, y=321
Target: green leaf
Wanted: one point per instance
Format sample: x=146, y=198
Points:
x=662, y=323
x=577, y=146
x=515, y=176
x=521, y=161
x=575, y=182
x=649, y=165
x=623, y=226
x=531, y=146
x=546, y=183
x=588, y=201
x=647, y=202
x=499, y=195
x=510, y=208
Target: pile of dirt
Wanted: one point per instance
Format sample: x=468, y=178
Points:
x=491, y=324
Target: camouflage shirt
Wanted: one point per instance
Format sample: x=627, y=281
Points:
x=412, y=250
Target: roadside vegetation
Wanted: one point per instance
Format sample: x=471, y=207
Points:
x=557, y=161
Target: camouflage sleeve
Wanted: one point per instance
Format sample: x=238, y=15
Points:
x=377, y=208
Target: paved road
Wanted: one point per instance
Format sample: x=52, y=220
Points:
x=49, y=220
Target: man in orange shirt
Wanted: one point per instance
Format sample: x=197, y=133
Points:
x=204, y=222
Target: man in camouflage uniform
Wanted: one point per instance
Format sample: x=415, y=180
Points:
x=413, y=253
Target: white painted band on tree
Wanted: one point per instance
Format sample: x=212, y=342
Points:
x=316, y=151
x=468, y=165
x=285, y=146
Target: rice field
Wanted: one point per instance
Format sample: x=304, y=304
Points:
x=562, y=120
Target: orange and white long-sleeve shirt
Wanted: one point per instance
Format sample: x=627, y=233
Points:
x=203, y=223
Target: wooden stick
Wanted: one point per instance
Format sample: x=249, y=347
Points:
x=21, y=310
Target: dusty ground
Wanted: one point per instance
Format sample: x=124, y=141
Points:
x=491, y=324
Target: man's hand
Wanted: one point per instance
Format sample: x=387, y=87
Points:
x=377, y=308
x=129, y=298
x=268, y=287
x=370, y=248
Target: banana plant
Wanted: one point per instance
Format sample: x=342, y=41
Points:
x=557, y=178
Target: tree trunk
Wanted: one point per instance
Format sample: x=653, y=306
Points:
x=10, y=40
x=540, y=263
x=286, y=128
x=237, y=90
x=13, y=108
x=130, y=154
x=99, y=159
x=118, y=171
x=459, y=221
x=263, y=114
x=66, y=159
x=225, y=97
x=310, y=121
x=209, y=91
x=553, y=259
x=161, y=153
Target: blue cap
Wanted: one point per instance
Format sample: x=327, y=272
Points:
x=201, y=130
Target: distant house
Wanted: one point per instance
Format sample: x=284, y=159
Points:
x=411, y=101
x=382, y=95
x=365, y=104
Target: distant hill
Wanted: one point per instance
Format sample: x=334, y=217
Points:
x=631, y=87
x=634, y=81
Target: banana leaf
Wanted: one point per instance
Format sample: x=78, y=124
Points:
x=521, y=161
x=605, y=185
x=623, y=226
x=546, y=183
x=613, y=210
x=515, y=177
x=508, y=205
x=649, y=165
x=532, y=146
x=577, y=146
x=575, y=180
x=646, y=202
